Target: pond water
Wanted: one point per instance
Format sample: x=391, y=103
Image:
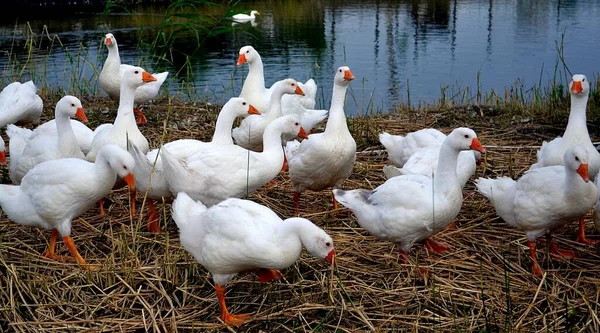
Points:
x=398, y=50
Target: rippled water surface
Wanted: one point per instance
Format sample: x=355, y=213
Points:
x=396, y=49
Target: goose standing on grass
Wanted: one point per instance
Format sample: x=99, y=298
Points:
x=149, y=173
x=254, y=89
x=37, y=147
x=250, y=132
x=55, y=192
x=2, y=152
x=19, y=102
x=413, y=208
x=112, y=73
x=327, y=159
x=223, y=172
x=576, y=133
x=240, y=235
x=425, y=161
x=245, y=17
x=124, y=127
x=544, y=199
x=400, y=148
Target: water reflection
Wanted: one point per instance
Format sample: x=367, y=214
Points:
x=387, y=44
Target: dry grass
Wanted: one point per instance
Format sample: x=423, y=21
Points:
x=148, y=282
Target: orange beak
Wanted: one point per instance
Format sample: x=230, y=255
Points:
x=241, y=59
x=577, y=88
x=81, y=115
x=147, y=77
x=476, y=145
x=330, y=256
x=348, y=76
x=299, y=91
x=583, y=172
x=108, y=41
x=2, y=158
x=302, y=134
x=253, y=110
x=130, y=180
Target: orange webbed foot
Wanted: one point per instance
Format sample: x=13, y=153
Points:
x=436, y=247
x=267, y=275
x=141, y=117
x=236, y=320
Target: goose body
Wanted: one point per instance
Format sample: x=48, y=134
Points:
x=222, y=172
x=412, y=208
x=124, y=127
x=239, y=235
x=245, y=17
x=327, y=159
x=545, y=198
x=19, y=102
x=400, y=148
x=38, y=146
x=55, y=192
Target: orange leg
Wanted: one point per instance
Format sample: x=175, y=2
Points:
x=230, y=319
x=435, y=247
x=535, y=268
x=267, y=274
x=296, y=203
x=101, y=203
x=141, y=117
x=153, y=215
x=132, y=197
x=71, y=246
x=569, y=254
x=451, y=226
x=335, y=204
x=581, y=238
x=49, y=253
x=285, y=164
x=403, y=256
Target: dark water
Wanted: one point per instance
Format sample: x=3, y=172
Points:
x=396, y=49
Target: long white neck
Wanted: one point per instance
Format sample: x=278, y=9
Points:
x=105, y=175
x=255, y=80
x=337, y=117
x=223, y=127
x=113, y=59
x=292, y=233
x=577, y=125
x=275, y=104
x=66, y=138
x=445, y=174
x=125, y=117
x=272, y=142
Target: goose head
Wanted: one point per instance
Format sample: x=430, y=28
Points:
x=579, y=85
x=254, y=13
x=240, y=107
x=463, y=138
x=120, y=161
x=290, y=126
x=110, y=41
x=290, y=86
x=71, y=107
x=576, y=158
x=343, y=76
x=317, y=242
x=135, y=77
x=247, y=55
x=2, y=155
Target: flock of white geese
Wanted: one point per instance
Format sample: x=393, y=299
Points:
x=61, y=169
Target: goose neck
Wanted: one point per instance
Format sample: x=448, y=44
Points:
x=577, y=124
x=336, y=121
x=223, y=127
x=445, y=174
x=125, y=115
x=66, y=137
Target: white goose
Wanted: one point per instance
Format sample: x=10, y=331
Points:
x=222, y=172
x=55, y=192
x=410, y=209
x=326, y=160
x=113, y=71
x=37, y=147
x=544, y=199
x=124, y=127
x=400, y=148
x=245, y=17
x=576, y=133
x=250, y=132
x=255, y=92
x=239, y=235
x=149, y=173
x=425, y=161
x=19, y=102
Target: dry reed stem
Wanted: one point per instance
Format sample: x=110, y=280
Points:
x=149, y=283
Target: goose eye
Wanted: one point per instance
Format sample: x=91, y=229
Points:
x=297, y=124
x=340, y=70
x=125, y=167
x=73, y=104
x=328, y=244
x=243, y=103
x=583, y=80
x=247, y=51
x=137, y=72
x=466, y=136
x=576, y=158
